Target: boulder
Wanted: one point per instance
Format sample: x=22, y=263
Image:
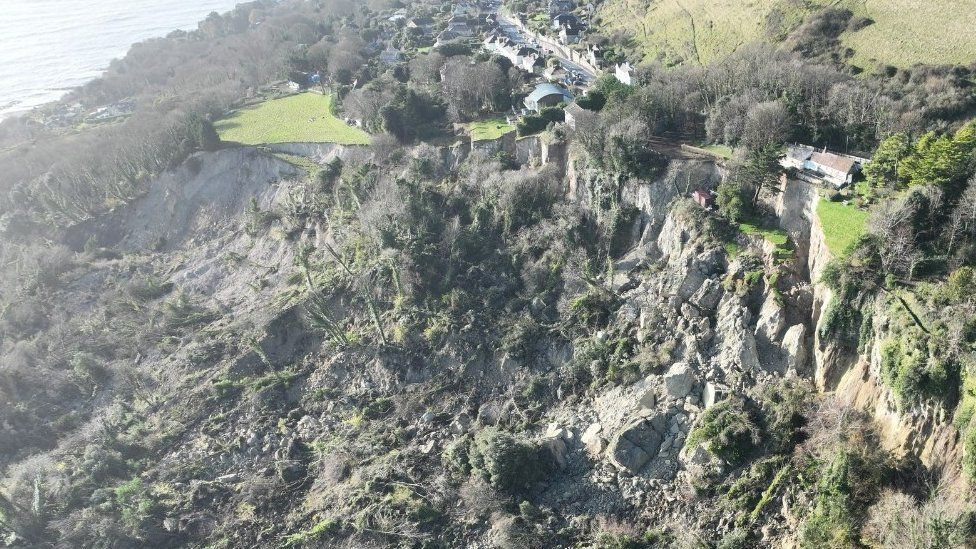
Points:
x=772, y=319
x=592, y=440
x=737, y=344
x=794, y=348
x=708, y=296
x=557, y=449
x=679, y=380
x=713, y=394
x=637, y=443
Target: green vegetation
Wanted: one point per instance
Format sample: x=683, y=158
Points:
x=494, y=128
x=903, y=32
x=842, y=224
x=728, y=431
x=777, y=237
x=504, y=461
x=304, y=117
x=314, y=534
x=722, y=151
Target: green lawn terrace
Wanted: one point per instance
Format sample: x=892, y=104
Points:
x=783, y=249
x=301, y=118
x=842, y=224
x=492, y=128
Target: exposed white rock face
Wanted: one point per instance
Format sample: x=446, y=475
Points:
x=679, y=380
x=772, y=319
x=794, y=346
x=736, y=340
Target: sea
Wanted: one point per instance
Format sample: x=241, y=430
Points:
x=48, y=47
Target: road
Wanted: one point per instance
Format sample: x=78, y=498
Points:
x=507, y=26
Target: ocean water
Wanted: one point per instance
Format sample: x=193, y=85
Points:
x=50, y=46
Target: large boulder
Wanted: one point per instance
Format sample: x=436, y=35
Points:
x=637, y=442
x=679, y=380
x=593, y=440
x=737, y=344
x=713, y=394
x=794, y=347
x=772, y=319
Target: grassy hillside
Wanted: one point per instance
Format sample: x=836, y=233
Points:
x=905, y=32
x=914, y=31
x=306, y=117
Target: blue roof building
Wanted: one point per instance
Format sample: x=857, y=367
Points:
x=547, y=95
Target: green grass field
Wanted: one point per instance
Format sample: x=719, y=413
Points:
x=775, y=236
x=905, y=32
x=723, y=151
x=842, y=224
x=489, y=129
x=303, y=118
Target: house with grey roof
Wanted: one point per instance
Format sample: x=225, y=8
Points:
x=547, y=95
x=813, y=165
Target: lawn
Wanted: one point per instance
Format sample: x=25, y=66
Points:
x=722, y=151
x=842, y=224
x=302, y=118
x=489, y=129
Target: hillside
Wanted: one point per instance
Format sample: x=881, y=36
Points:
x=904, y=32
x=233, y=320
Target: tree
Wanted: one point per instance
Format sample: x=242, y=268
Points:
x=730, y=202
x=767, y=126
x=412, y=115
x=365, y=103
x=963, y=220
x=934, y=160
x=425, y=69
x=469, y=88
x=882, y=171
x=759, y=170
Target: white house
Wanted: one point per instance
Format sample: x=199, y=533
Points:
x=624, y=72
x=835, y=169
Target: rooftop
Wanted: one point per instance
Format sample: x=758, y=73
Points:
x=833, y=161
x=543, y=90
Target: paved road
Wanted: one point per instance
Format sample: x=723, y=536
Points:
x=510, y=29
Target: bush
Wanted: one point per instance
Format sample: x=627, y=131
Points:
x=594, y=100
x=784, y=407
x=504, y=461
x=898, y=521
x=149, y=289
x=913, y=367
x=847, y=484
x=727, y=430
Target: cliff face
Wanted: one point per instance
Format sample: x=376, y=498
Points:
x=924, y=433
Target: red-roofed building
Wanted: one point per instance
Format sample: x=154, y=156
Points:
x=703, y=198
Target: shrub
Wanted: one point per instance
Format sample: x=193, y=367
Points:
x=913, y=367
x=455, y=456
x=846, y=485
x=727, y=430
x=969, y=453
x=784, y=406
x=504, y=461
x=898, y=521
